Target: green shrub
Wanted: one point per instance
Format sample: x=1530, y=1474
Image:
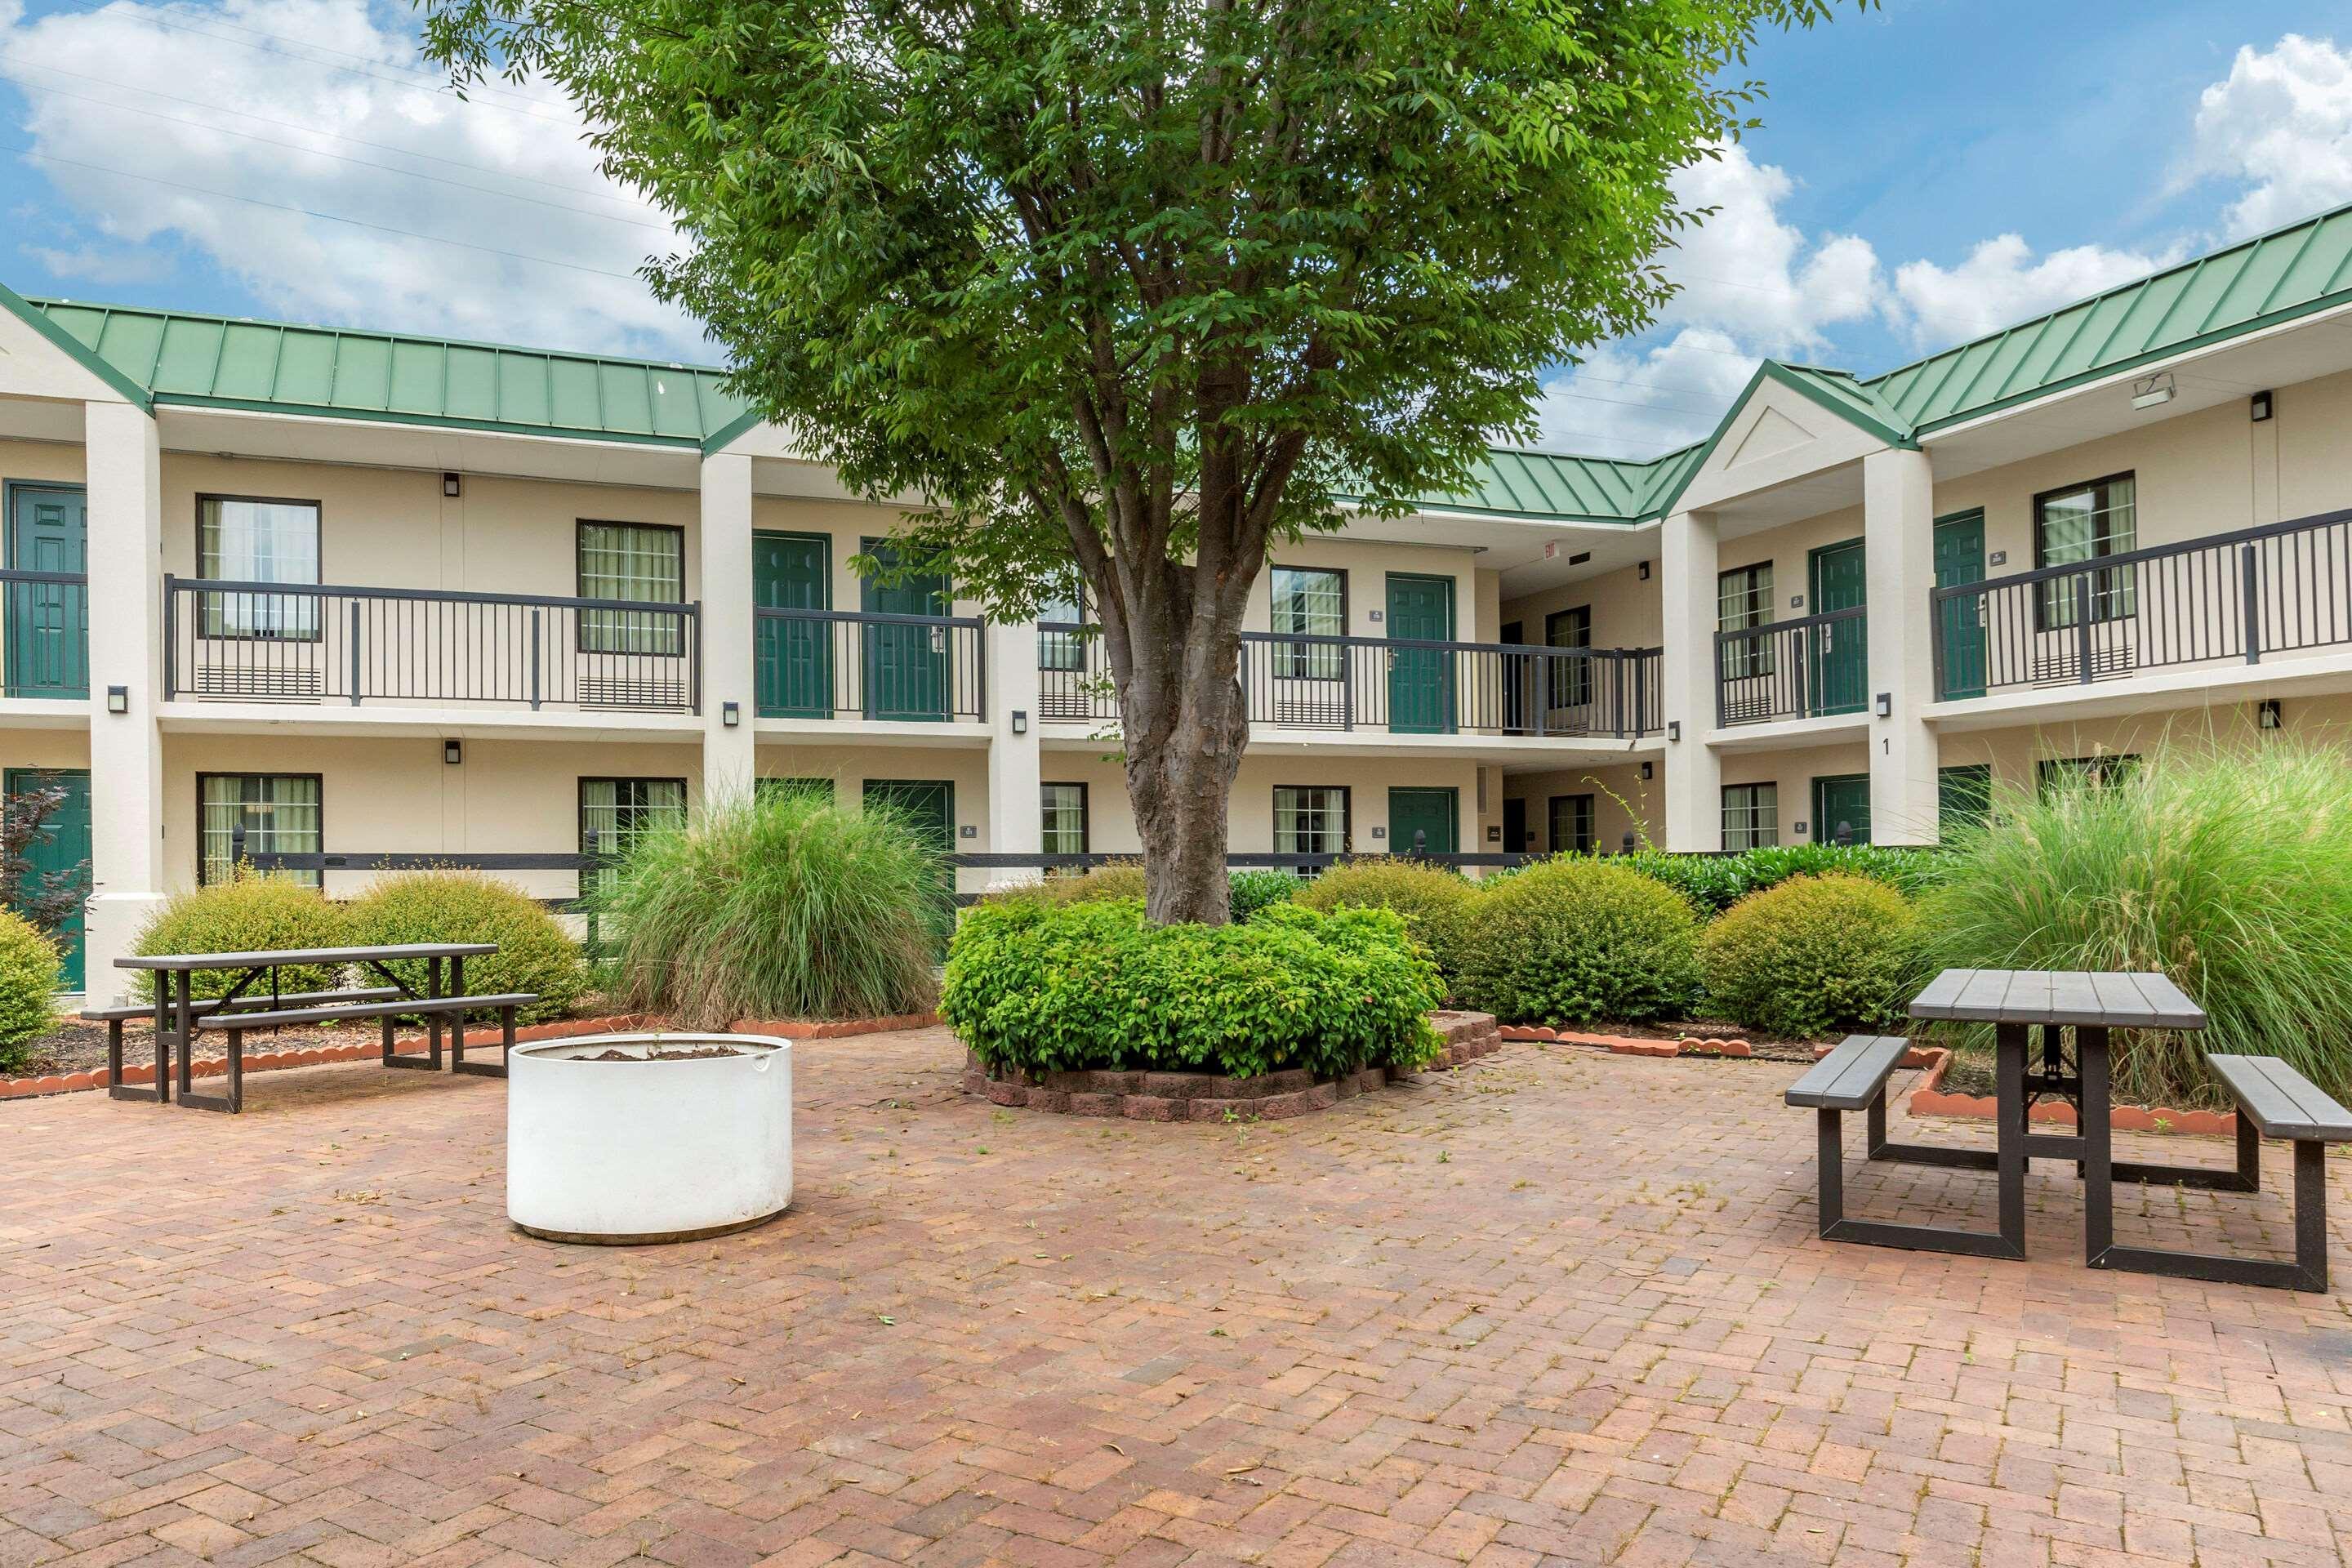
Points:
x=782, y=907
x=1039, y=987
x=1814, y=955
x=252, y=913
x=1435, y=902
x=2230, y=872
x=1715, y=882
x=1118, y=880
x=1250, y=891
x=534, y=954
x=28, y=988
x=1573, y=941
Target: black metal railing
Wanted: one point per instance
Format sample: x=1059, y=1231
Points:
x=270, y=642
x=44, y=634
x=2227, y=598
x=1793, y=669
x=841, y=664
x=1396, y=686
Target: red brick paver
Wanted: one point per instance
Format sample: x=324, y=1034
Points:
x=1556, y=1308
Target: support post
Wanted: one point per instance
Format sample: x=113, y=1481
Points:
x=1686, y=590
x=1015, y=801
x=726, y=627
x=1899, y=551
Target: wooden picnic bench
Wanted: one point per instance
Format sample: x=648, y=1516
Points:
x=115, y=1017
x=235, y=1025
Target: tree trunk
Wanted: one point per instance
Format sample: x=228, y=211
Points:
x=1179, y=780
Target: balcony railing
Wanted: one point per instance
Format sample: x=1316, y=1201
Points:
x=1792, y=670
x=2227, y=597
x=272, y=642
x=1398, y=687
x=836, y=664
x=44, y=634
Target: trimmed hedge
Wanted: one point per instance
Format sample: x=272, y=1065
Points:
x=1035, y=987
x=1716, y=882
x=1814, y=955
x=1250, y=891
x=253, y=912
x=535, y=953
x=1573, y=941
x=28, y=988
x=1437, y=903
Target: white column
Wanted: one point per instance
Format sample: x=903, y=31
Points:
x=1016, y=811
x=126, y=649
x=1686, y=587
x=1899, y=528
x=728, y=623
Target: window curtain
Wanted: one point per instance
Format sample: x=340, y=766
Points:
x=257, y=541
x=279, y=815
x=631, y=561
x=1309, y=604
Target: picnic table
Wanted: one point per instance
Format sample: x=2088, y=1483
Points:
x=179, y=1016
x=2068, y=1015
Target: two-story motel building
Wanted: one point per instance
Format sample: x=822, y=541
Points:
x=366, y=592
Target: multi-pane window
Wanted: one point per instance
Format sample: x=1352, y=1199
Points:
x=2085, y=522
x=1743, y=601
x=279, y=812
x=636, y=561
x=1963, y=798
x=1065, y=807
x=1571, y=679
x=1751, y=816
x=1060, y=646
x=1310, y=819
x=1309, y=603
x=613, y=812
x=1571, y=824
x=2053, y=774
x=244, y=539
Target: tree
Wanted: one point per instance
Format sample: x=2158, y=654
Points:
x=49, y=899
x=1151, y=285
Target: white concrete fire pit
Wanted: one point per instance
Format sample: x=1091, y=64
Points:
x=616, y=1140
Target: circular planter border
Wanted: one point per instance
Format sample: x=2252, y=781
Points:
x=1214, y=1097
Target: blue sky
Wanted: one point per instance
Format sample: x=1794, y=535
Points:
x=1926, y=171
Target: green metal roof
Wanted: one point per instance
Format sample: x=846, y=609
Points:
x=224, y=362
x=176, y=356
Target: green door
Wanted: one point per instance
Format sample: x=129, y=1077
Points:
x=1423, y=821
x=1843, y=800
x=1963, y=798
x=1421, y=680
x=45, y=627
x=906, y=667
x=1841, y=653
x=66, y=846
x=1959, y=623
x=929, y=806
x=795, y=658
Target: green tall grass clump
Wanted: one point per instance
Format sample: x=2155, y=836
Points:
x=786, y=907
x=2231, y=873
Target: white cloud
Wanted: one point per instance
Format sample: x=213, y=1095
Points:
x=1745, y=271
x=2280, y=122
x=314, y=104
x=1629, y=402
x=2002, y=284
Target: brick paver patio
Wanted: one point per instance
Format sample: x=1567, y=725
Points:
x=1554, y=1308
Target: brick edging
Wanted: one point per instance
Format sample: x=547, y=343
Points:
x=1929, y=1098
x=1630, y=1045
x=1216, y=1097
x=314, y=1055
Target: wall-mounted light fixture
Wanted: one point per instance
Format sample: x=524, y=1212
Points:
x=1580, y=558
x=2153, y=391
x=730, y=714
x=117, y=700
x=453, y=752
x=1649, y=772
x=451, y=486
x=2267, y=716
x=1884, y=705
x=1642, y=572
x=1020, y=721
x=1673, y=730
x=2259, y=407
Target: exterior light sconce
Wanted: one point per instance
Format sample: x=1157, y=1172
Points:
x=2258, y=406
x=1649, y=772
x=1673, y=730
x=1884, y=705
x=451, y=486
x=117, y=700
x=453, y=752
x=2267, y=716
x=1643, y=576
x=1020, y=721
x=2153, y=391
x=730, y=714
